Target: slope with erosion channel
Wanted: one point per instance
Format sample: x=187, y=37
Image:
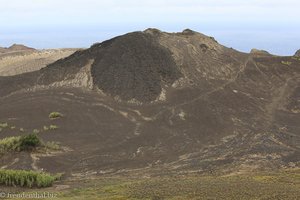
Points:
x=160, y=103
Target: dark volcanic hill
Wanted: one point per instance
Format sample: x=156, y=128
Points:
x=159, y=102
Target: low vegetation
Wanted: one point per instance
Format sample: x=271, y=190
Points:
x=46, y=128
x=19, y=143
x=52, y=145
x=4, y=125
x=53, y=127
x=296, y=58
x=25, y=143
x=26, y=178
x=55, y=115
x=263, y=185
x=36, y=131
x=29, y=142
x=10, y=144
x=286, y=63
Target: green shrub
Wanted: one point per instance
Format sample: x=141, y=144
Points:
x=4, y=125
x=25, y=143
x=286, y=62
x=20, y=143
x=55, y=115
x=10, y=144
x=35, y=131
x=296, y=58
x=13, y=127
x=26, y=178
x=53, y=127
x=52, y=146
x=45, y=128
x=29, y=142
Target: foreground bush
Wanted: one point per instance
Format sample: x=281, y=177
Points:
x=26, y=178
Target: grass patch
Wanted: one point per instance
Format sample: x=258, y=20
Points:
x=20, y=143
x=46, y=128
x=265, y=178
x=4, y=125
x=26, y=178
x=286, y=63
x=25, y=143
x=10, y=144
x=276, y=185
x=55, y=115
x=36, y=131
x=52, y=145
x=53, y=127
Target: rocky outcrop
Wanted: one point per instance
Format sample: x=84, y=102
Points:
x=259, y=52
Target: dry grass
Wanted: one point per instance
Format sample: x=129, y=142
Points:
x=276, y=185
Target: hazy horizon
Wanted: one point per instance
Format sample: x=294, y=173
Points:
x=270, y=25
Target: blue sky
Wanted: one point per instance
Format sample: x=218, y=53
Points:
x=272, y=25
